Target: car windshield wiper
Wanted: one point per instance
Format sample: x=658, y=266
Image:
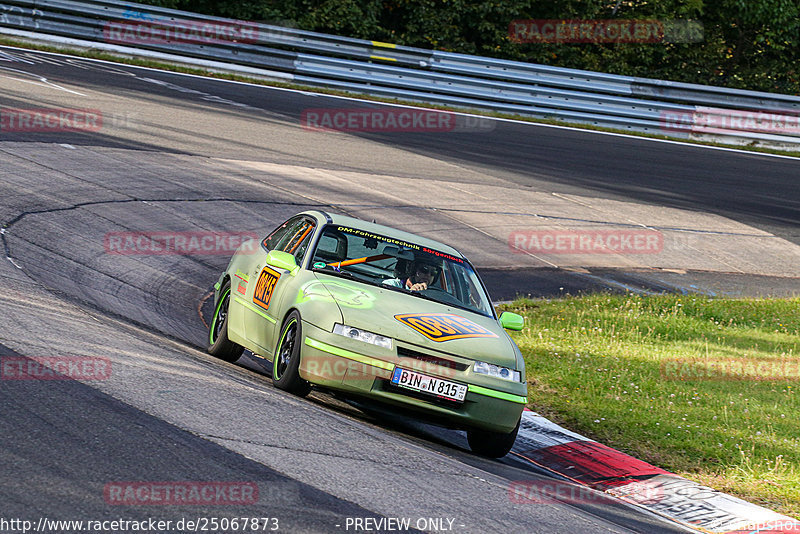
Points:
x=427, y=297
x=335, y=272
x=352, y=276
x=419, y=294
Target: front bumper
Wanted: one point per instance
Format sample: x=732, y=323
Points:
x=338, y=363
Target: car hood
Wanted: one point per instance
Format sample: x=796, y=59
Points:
x=422, y=322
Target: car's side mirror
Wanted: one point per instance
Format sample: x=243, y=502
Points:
x=282, y=260
x=512, y=321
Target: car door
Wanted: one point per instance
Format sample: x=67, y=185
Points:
x=272, y=283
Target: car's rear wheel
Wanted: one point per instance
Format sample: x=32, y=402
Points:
x=491, y=444
x=218, y=343
x=285, y=366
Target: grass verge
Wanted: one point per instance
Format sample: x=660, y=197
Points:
x=706, y=388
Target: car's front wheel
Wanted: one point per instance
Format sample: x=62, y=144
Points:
x=218, y=343
x=491, y=444
x=285, y=366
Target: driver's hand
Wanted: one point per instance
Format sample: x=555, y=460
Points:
x=419, y=286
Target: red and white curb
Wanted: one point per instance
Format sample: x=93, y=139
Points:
x=589, y=463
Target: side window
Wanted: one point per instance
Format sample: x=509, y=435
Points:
x=293, y=237
x=299, y=242
x=281, y=234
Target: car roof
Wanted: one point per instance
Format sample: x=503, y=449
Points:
x=344, y=220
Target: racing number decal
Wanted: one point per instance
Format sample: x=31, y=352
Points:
x=265, y=287
x=443, y=326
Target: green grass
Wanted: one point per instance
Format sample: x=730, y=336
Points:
x=600, y=365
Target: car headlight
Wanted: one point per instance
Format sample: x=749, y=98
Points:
x=362, y=335
x=496, y=371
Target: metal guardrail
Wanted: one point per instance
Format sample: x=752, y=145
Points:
x=371, y=67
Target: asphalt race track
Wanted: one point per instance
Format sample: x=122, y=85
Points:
x=185, y=154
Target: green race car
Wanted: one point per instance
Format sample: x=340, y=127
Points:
x=379, y=314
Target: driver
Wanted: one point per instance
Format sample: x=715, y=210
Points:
x=421, y=274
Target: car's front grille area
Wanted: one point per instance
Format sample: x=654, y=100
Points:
x=430, y=358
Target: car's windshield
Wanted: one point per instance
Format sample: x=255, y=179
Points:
x=394, y=263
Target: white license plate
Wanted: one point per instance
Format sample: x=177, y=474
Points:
x=428, y=384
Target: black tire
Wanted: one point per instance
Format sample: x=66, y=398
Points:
x=285, y=374
x=219, y=344
x=491, y=444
